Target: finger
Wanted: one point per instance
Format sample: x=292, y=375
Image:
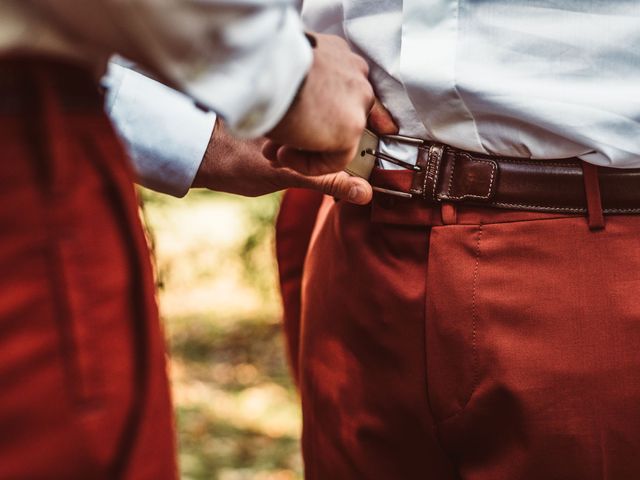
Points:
x=313, y=163
x=270, y=150
x=380, y=120
x=339, y=185
x=342, y=185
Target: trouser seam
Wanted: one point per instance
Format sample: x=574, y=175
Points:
x=434, y=422
x=474, y=315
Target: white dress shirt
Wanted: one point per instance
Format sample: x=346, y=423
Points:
x=525, y=78
x=165, y=134
x=243, y=59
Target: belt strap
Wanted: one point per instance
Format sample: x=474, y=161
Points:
x=446, y=174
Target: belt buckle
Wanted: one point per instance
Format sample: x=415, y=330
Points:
x=368, y=153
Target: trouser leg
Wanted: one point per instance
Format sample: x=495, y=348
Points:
x=294, y=227
x=82, y=373
x=362, y=371
x=505, y=344
x=532, y=334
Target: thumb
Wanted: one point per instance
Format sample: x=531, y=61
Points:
x=313, y=163
x=342, y=185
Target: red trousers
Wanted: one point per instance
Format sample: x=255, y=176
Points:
x=83, y=387
x=469, y=343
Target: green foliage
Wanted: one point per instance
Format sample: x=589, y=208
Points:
x=257, y=245
x=236, y=407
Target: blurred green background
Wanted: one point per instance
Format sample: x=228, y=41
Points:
x=237, y=409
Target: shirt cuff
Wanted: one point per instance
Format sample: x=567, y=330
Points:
x=262, y=82
x=165, y=135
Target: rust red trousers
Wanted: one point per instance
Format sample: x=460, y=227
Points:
x=83, y=387
x=477, y=344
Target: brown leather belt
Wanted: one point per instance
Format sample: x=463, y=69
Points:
x=446, y=174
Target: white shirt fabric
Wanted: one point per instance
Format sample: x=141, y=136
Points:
x=243, y=59
x=525, y=78
x=165, y=134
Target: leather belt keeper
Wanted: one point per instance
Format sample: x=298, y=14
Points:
x=446, y=174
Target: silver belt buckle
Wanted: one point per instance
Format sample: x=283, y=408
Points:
x=367, y=154
x=365, y=159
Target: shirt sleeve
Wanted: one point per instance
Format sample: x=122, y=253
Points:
x=244, y=59
x=165, y=134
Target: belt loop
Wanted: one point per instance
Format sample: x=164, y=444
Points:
x=592, y=193
x=425, y=181
x=449, y=213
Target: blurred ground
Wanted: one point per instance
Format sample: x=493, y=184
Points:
x=237, y=410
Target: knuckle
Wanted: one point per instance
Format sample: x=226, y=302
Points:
x=363, y=65
x=359, y=122
x=339, y=41
x=351, y=133
x=348, y=131
x=370, y=96
x=332, y=185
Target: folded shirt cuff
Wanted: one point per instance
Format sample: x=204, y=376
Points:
x=165, y=135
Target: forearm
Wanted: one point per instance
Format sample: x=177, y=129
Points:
x=175, y=146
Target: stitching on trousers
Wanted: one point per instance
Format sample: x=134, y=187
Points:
x=474, y=333
x=474, y=316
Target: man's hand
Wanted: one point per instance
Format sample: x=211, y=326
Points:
x=321, y=131
x=237, y=166
x=379, y=121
